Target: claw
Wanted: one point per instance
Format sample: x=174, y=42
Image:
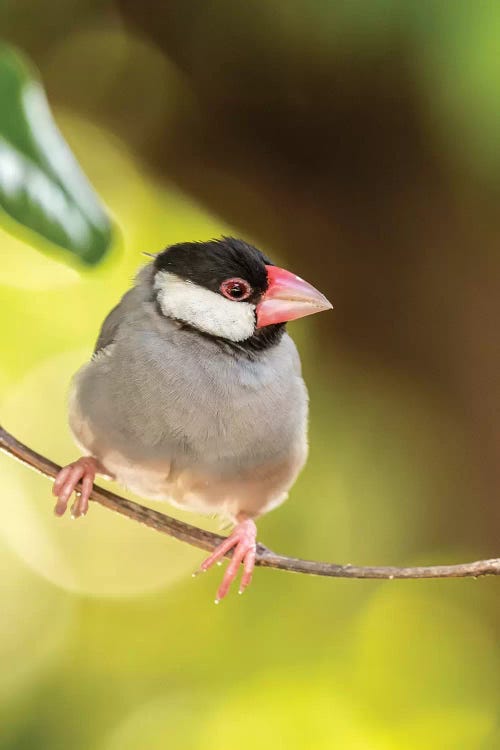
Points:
x=83, y=470
x=243, y=543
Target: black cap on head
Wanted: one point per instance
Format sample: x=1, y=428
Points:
x=208, y=264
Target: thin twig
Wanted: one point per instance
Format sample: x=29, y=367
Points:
x=207, y=540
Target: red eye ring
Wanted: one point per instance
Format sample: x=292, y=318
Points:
x=236, y=289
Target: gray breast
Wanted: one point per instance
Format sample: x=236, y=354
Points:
x=162, y=392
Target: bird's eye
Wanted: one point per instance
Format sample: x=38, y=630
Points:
x=236, y=289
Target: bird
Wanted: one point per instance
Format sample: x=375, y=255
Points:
x=194, y=392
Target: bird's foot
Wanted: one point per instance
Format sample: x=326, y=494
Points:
x=84, y=471
x=242, y=541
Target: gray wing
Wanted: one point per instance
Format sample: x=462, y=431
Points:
x=108, y=329
x=129, y=303
x=113, y=320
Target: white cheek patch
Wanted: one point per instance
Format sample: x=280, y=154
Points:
x=205, y=310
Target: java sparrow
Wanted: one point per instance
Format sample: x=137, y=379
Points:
x=194, y=392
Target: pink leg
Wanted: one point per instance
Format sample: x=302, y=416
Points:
x=83, y=470
x=243, y=543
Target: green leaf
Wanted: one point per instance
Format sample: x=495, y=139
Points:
x=41, y=185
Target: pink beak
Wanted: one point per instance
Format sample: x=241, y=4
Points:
x=288, y=297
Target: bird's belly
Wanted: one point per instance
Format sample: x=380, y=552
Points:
x=203, y=489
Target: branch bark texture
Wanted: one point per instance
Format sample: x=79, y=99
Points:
x=207, y=540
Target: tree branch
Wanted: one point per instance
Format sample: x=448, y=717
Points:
x=207, y=540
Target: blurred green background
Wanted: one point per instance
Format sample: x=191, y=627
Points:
x=358, y=144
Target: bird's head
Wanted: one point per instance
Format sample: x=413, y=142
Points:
x=228, y=289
